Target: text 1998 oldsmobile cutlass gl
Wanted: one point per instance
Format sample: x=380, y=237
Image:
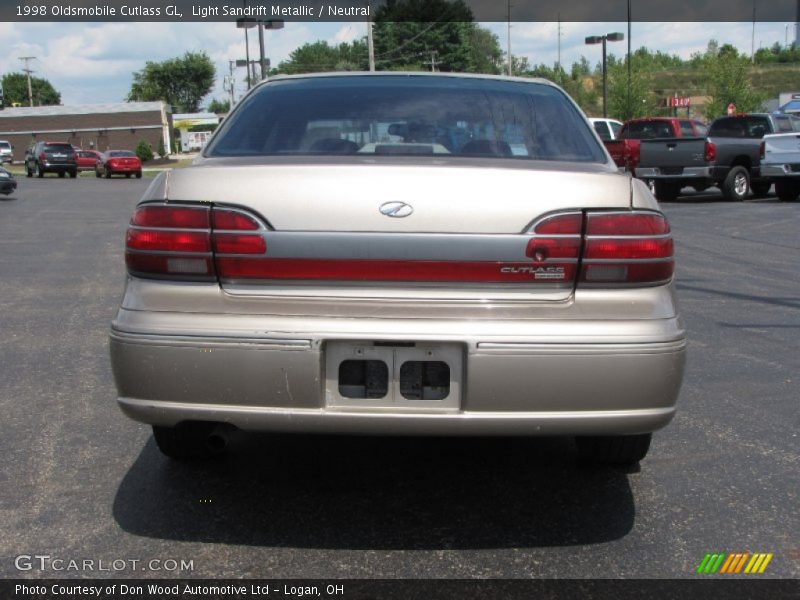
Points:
x=411, y=254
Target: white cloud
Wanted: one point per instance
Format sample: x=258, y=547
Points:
x=94, y=62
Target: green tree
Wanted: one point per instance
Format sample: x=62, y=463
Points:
x=727, y=75
x=15, y=88
x=180, y=82
x=433, y=33
x=143, y=151
x=219, y=106
x=322, y=57
x=639, y=100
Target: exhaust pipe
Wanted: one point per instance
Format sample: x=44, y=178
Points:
x=217, y=440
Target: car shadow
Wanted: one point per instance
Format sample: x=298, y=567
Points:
x=378, y=493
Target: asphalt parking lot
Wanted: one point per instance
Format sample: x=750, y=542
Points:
x=81, y=481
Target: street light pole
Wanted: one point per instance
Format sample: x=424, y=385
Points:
x=261, y=49
x=602, y=39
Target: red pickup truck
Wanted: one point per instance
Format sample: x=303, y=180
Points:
x=625, y=149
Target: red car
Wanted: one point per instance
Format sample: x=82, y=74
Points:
x=86, y=159
x=118, y=162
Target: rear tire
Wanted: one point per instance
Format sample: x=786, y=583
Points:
x=138, y=174
x=108, y=174
x=736, y=185
x=128, y=175
x=760, y=189
x=73, y=173
x=787, y=191
x=667, y=191
x=96, y=172
x=614, y=449
x=62, y=174
x=186, y=441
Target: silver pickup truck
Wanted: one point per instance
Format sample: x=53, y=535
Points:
x=729, y=158
x=780, y=161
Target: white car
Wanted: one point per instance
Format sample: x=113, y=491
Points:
x=6, y=152
x=607, y=129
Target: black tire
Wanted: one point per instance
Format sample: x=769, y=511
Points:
x=128, y=175
x=760, y=189
x=138, y=174
x=667, y=191
x=96, y=172
x=73, y=173
x=736, y=184
x=62, y=174
x=614, y=449
x=186, y=441
x=108, y=174
x=787, y=191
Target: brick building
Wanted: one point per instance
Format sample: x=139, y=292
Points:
x=100, y=126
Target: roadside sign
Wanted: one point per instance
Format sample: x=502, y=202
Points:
x=679, y=102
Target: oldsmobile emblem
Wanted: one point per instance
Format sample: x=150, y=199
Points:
x=397, y=210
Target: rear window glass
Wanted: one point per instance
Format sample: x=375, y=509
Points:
x=740, y=127
x=647, y=130
x=411, y=115
x=121, y=154
x=5, y=145
x=59, y=148
x=602, y=130
x=784, y=124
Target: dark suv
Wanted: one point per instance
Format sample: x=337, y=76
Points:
x=51, y=157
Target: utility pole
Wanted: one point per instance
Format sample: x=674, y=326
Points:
x=753, y=36
x=231, y=81
x=370, y=46
x=558, y=63
x=630, y=108
x=509, y=39
x=28, y=72
x=433, y=61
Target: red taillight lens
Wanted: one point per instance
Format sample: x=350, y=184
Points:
x=627, y=248
x=42, y=157
x=232, y=220
x=171, y=240
x=762, y=150
x=627, y=224
x=168, y=241
x=710, y=152
x=176, y=216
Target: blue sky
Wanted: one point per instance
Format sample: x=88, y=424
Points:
x=93, y=62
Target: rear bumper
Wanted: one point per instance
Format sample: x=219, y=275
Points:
x=687, y=173
x=278, y=382
x=781, y=170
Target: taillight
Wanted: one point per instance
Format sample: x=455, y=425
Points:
x=710, y=151
x=556, y=246
x=42, y=157
x=626, y=248
x=170, y=240
x=762, y=150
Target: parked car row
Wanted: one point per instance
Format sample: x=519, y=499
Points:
x=671, y=154
x=64, y=159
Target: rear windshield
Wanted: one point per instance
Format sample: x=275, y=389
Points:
x=647, y=130
x=121, y=154
x=5, y=145
x=740, y=127
x=412, y=115
x=59, y=148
